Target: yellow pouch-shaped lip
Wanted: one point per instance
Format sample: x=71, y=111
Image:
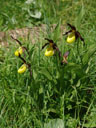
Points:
x=22, y=69
x=71, y=38
x=49, y=52
x=18, y=51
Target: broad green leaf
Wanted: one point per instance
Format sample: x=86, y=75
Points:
x=80, y=16
x=41, y=90
x=53, y=110
x=34, y=74
x=1, y=21
x=71, y=123
x=78, y=83
x=74, y=69
x=72, y=66
x=55, y=123
x=46, y=73
x=91, y=119
x=56, y=32
x=88, y=54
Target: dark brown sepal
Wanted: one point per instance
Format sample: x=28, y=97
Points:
x=16, y=40
x=71, y=26
x=45, y=45
x=67, y=32
x=50, y=41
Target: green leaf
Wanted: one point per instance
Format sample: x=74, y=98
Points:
x=55, y=123
x=78, y=83
x=80, y=16
x=88, y=54
x=71, y=123
x=91, y=119
x=46, y=73
x=56, y=32
x=72, y=66
x=1, y=21
x=75, y=69
x=34, y=74
x=41, y=90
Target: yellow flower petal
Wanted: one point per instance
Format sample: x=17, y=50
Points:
x=18, y=51
x=22, y=69
x=71, y=38
x=49, y=52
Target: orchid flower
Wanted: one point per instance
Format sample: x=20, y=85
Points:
x=50, y=51
x=22, y=69
x=65, y=56
x=73, y=34
x=18, y=51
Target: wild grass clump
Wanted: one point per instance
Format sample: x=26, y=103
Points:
x=53, y=88
x=51, y=83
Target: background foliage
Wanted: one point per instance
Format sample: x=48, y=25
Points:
x=55, y=96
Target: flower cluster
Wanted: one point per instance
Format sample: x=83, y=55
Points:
x=19, y=53
x=52, y=48
x=73, y=34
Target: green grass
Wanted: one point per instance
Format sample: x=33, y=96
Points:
x=54, y=96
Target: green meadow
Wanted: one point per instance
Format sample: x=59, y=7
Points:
x=51, y=90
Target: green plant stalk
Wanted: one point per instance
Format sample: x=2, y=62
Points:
x=87, y=113
x=78, y=51
x=64, y=109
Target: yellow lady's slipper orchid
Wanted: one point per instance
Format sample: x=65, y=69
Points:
x=22, y=69
x=71, y=38
x=52, y=48
x=49, y=51
x=73, y=34
x=18, y=51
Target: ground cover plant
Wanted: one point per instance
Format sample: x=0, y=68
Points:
x=49, y=84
